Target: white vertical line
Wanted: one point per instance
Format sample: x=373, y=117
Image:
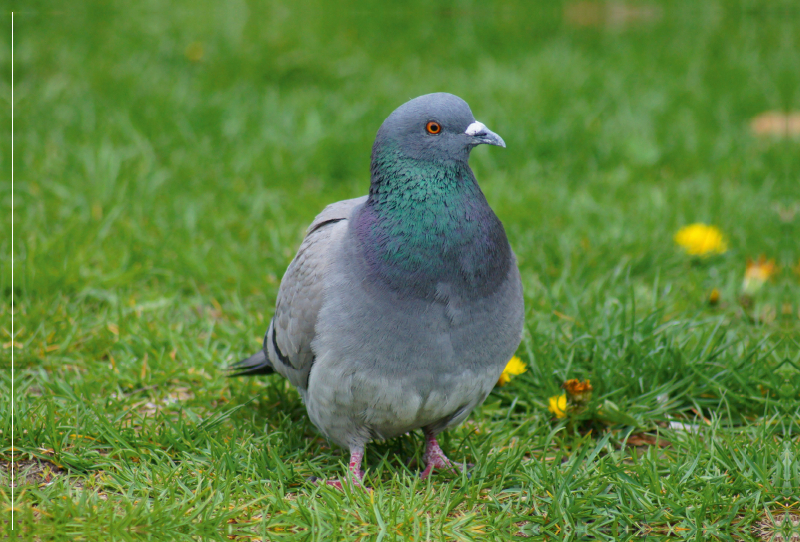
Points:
x=12, y=272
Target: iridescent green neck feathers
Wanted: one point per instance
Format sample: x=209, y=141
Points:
x=427, y=222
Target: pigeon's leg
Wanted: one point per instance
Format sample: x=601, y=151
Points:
x=434, y=457
x=356, y=458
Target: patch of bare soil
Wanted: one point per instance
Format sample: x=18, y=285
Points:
x=29, y=472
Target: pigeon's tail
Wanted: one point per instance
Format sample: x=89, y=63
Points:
x=257, y=364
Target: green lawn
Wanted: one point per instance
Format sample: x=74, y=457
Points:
x=168, y=161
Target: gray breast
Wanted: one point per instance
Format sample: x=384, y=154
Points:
x=387, y=363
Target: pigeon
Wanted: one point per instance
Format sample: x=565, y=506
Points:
x=401, y=308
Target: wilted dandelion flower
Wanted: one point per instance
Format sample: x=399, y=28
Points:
x=558, y=405
x=757, y=273
x=701, y=240
x=514, y=367
x=776, y=123
x=578, y=392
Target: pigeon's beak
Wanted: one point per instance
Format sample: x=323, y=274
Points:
x=480, y=134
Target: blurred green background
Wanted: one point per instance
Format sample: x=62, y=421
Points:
x=180, y=145
x=167, y=160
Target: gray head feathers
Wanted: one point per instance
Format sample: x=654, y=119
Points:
x=438, y=127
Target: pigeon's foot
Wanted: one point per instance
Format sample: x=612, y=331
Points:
x=434, y=457
x=356, y=458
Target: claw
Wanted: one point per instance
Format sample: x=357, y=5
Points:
x=356, y=457
x=434, y=458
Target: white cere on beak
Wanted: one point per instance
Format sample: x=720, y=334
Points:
x=475, y=128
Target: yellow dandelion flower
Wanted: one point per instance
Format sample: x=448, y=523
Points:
x=701, y=240
x=713, y=297
x=558, y=405
x=757, y=273
x=514, y=367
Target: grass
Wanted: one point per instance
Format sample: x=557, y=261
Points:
x=168, y=161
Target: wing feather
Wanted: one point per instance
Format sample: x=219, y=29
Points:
x=288, y=339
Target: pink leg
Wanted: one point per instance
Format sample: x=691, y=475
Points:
x=356, y=458
x=434, y=457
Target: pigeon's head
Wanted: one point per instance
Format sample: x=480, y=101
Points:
x=437, y=127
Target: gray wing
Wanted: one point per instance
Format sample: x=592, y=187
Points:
x=287, y=343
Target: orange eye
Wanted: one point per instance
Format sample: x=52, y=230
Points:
x=433, y=127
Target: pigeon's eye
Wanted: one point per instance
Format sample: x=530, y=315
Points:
x=433, y=127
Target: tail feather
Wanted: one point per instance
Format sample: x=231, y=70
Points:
x=257, y=364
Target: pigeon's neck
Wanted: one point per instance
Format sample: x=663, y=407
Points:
x=427, y=227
